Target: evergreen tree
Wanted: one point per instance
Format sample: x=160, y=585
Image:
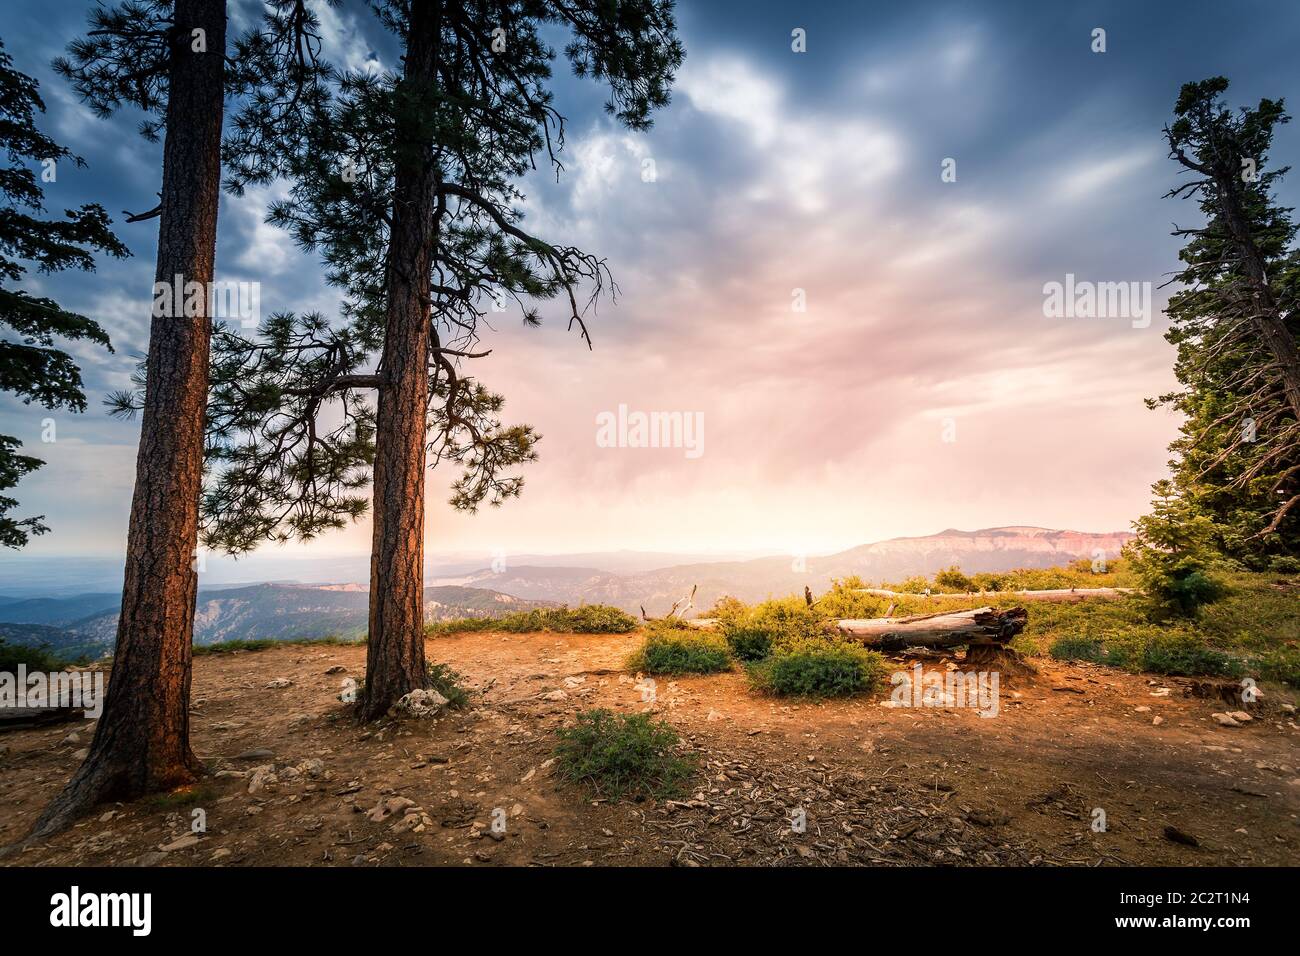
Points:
x=1234, y=324
x=32, y=366
x=169, y=60
x=407, y=186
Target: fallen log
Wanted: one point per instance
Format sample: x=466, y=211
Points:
x=1052, y=594
x=983, y=626
x=23, y=718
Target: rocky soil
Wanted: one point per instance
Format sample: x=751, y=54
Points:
x=295, y=781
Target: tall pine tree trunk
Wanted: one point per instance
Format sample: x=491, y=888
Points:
x=142, y=742
x=1266, y=316
x=395, y=652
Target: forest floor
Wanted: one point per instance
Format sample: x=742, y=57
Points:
x=877, y=785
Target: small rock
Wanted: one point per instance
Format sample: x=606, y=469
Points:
x=263, y=778
x=1240, y=716
x=279, y=683
x=260, y=753
x=336, y=669
x=1224, y=720
x=220, y=854
x=183, y=843
x=420, y=703
x=555, y=695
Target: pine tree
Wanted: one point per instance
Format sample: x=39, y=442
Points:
x=33, y=367
x=407, y=187
x=169, y=60
x=1234, y=324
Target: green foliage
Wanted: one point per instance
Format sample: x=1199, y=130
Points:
x=786, y=619
x=1237, y=456
x=40, y=658
x=1078, y=649
x=584, y=619
x=1184, y=654
x=622, y=755
x=1078, y=574
x=291, y=418
x=846, y=600
x=1281, y=664
x=32, y=366
x=681, y=651
x=917, y=584
x=749, y=643
x=262, y=644
x=1174, y=555
x=818, y=668
x=447, y=682
x=952, y=580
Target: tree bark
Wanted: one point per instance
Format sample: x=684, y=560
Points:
x=1266, y=316
x=395, y=662
x=142, y=743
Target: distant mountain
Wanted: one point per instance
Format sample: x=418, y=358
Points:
x=59, y=612
x=990, y=549
x=263, y=611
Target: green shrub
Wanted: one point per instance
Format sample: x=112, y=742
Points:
x=785, y=619
x=951, y=579
x=678, y=651
x=39, y=658
x=749, y=643
x=1078, y=649
x=1285, y=564
x=622, y=755
x=263, y=644
x=447, y=682
x=1282, y=664
x=1181, y=654
x=585, y=619
x=818, y=668
x=913, y=585
x=726, y=610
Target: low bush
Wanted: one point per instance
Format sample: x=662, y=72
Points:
x=783, y=621
x=749, y=643
x=1184, y=655
x=1282, y=664
x=669, y=650
x=447, y=682
x=818, y=668
x=263, y=644
x=40, y=658
x=585, y=619
x=622, y=755
x=1078, y=649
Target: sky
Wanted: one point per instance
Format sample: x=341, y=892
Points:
x=920, y=387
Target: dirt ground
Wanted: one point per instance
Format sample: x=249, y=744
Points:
x=875, y=784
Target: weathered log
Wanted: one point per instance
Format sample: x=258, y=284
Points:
x=982, y=626
x=1053, y=594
